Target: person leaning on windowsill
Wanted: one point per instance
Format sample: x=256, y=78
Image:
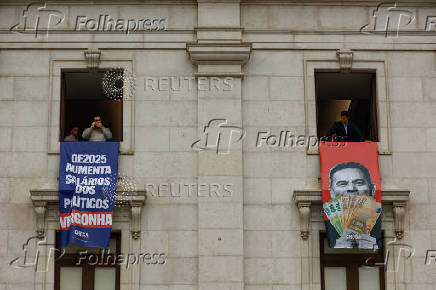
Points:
x=346, y=130
x=97, y=132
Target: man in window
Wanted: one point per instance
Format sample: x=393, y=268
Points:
x=97, y=132
x=345, y=130
x=74, y=132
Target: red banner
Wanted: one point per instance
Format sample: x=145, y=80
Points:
x=351, y=195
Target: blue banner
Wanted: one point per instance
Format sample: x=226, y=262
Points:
x=87, y=185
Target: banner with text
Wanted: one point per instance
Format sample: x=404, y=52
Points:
x=351, y=196
x=87, y=185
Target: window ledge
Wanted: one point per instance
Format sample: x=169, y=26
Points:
x=122, y=152
x=398, y=199
x=42, y=197
x=316, y=152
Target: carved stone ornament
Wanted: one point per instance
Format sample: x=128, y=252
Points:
x=304, y=209
x=92, y=56
x=345, y=58
x=212, y=54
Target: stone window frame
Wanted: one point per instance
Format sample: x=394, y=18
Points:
x=361, y=63
x=56, y=65
x=88, y=269
x=309, y=205
x=126, y=220
x=354, y=262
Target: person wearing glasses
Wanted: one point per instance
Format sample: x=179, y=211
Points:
x=97, y=132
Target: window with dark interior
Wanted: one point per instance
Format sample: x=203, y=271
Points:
x=354, y=92
x=350, y=269
x=96, y=272
x=82, y=98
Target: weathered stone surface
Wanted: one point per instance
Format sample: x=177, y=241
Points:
x=251, y=238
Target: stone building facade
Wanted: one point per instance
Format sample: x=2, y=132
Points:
x=253, y=64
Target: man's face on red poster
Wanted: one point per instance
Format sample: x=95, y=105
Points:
x=350, y=181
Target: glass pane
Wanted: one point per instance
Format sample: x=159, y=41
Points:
x=76, y=249
x=369, y=278
x=71, y=278
x=104, y=278
x=328, y=250
x=335, y=278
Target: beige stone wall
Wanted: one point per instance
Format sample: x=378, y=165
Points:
x=250, y=240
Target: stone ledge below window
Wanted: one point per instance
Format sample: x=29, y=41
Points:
x=398, y=199
x=135, y=200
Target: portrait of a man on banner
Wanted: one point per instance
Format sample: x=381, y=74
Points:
x=351, y=195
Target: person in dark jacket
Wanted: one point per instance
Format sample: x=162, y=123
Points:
x=345, y=130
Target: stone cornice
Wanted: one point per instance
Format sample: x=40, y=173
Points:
x=219, y=53
x=366, y=3
x=314, y=196
x=304, y=199
x=219, y=1
x=345, y=57
x=43, y=197
x=52, y=196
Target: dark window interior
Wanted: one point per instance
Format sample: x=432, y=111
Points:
x=354, y=92
x=83, y=98
x=359, y=268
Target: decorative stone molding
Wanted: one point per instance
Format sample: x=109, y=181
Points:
x=304, y=209
x=92, y=56
x=218, y=34
x=399, y=210
x=345, y=58
x=304, y=199
x=211, y=54
x=40, y=209
x=134, y=199
x=135, y=208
